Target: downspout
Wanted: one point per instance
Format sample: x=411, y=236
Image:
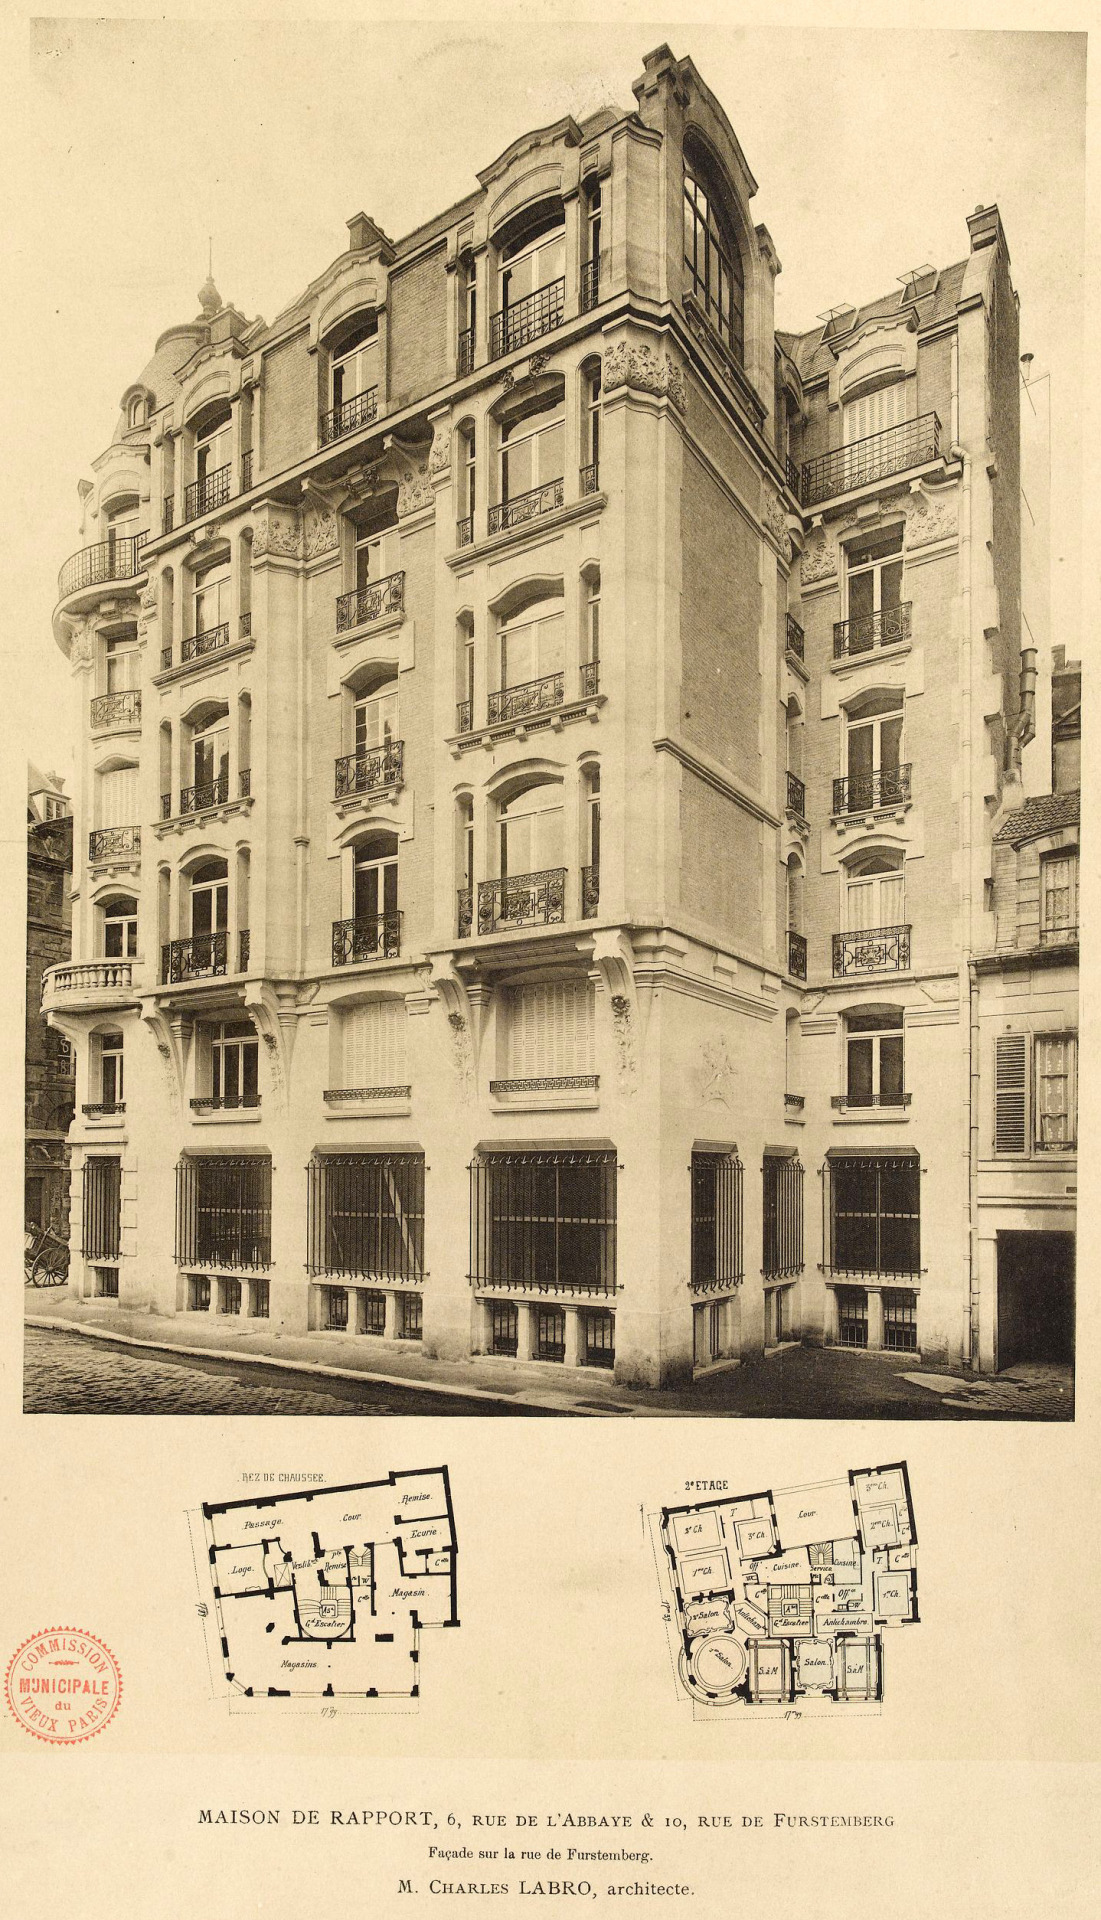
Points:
x=301, y=837
x=975, y=1089
x=970, y=1325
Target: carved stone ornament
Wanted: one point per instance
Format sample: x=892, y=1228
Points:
x=414, y=492
x=462, y=1051
x=149, y=600
x=931, y=517
x=277, y=534
x=321, y=531
x=717, y=1071
x=624, y=1036
x=775, y=519
x=80, y=647
x=536, y=364
x=819, y=558
x=440, y=457
x=632, y=363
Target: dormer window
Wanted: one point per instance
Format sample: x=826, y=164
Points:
x=353, y=378
x=135, y=411
x=213, y=454
x=713, y=262
x=876, y=408
x=531, y=278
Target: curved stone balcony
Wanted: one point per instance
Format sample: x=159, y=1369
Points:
x=77, y=984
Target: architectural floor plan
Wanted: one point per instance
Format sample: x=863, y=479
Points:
x=782, y=1597
x=322, y=1595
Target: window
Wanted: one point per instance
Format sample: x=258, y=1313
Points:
x=102, y=1207
x=375, y=877
x=229, y=1296
x=259, y=1299
x=874, y=1058
x=899, y=1320
x=1056, y=1093
x=198, y=1293
x=376, y=717
x=874, y=580
x=336, y=1309
x=468, y=311
x=122, y=663
x=465, y=862
x=372, y=1046
x=210, y=765
x=210, y=599
x=135, y=412
x=120, y=929
x=590, y=677
x=533, y=448
x=209, y=899
x=873, y=739
x=875, y=410
x=590, y=430
x=590, y=872
x=716, y=1220
x=367, y=529
x=366, y=1215
x=373, y=1319
x=530, y=829
x=353, y=364
x=550, y=1333
x=110, y=1071
x=213, y=444
x=546, y=1030
x=464, y=714
x=107, y=1283
x=714, y=1332
x=852, y=1316
x=1010, y=1092
x=504, y=1327
x=783, y=1216
x=531, y=647
x=223, y=1210
x=410, y=1316
x=233, y=1064
x=873, y=1219
x=468, y=482
x=122, y=522
x=875, y=892
x=713, y=262
x=598, y=1340
x=531, y=270
x=1058, y=898
x=544, y=1221
x=590, y=266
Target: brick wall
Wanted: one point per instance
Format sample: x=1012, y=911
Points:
x=720, y=610
x=418, y=330
x=288, y=407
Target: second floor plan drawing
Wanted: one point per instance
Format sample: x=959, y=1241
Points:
x=782, y=1598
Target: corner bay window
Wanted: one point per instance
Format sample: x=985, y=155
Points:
x=366, y=1215
x=716, y=1220
x=713, y=261
x=223, y=1210
x=873, y=1213
x=544, y=1221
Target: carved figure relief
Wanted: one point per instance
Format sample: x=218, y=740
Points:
x=321, y=532
x=819, y=558
x=462, y=1051
x=931, y=517
x=440, y=457
x=275, y=534
x=717, y=1071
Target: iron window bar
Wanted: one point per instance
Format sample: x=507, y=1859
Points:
x=359, y=411
x=375, y=936
x=373, y=602
x=118, y=559
x=208, y=1102
x=365, y=1216
x=527, y=319
x=795, y=1102
x=102, y=1208
x=246, y=471
x=840, y=1101
x=211, y=640
x=464, y=716
x=522, y=900
x=504, y=1327
x=367, y=772
x=243, y=950
x=869, y=630
x=544, y=1222
x=900, y=1320
x=589, y=478
x=116, y=709
x=195, y=958
x=531, y=696
x=526, y=506
x=168, y=513
x=911, y=443
x=871, y=1227
x=223, y=1211
x=590, y=892
x=852, y=1316
x=782, y=1251
x=465, y=913
x=465, y=357
x=794, y=637
x=598, y=1334
x=796, y=796
x=109, y=843
x=791, y=476
x=367, y=1093
x=590, y=285
x=209, y=793
x=873, y=950
x=716, y=1222
x=103, y=1109
x=797, y=955
x=547, y=1083
x=464, y=531
x=211, y=491
x=858, y=792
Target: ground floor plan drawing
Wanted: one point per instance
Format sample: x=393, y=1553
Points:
x=782, y=1598
x=321, y=1596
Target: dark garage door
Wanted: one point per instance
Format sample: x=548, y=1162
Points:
x=1035, y=1297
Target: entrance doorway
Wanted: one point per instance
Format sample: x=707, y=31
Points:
x=1035, y=1298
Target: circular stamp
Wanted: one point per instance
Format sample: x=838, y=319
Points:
x=63, y=1685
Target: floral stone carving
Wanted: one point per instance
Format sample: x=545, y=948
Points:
x=632, y=363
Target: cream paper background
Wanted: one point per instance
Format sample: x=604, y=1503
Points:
x=556, y=1693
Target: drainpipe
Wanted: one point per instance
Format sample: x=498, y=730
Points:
x=301, y=837
x=975, y=1089
x=970, y=1327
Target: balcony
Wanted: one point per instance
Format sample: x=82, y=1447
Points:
x=107, y=561
x=202, y=956
x=372, y=602
x=794, y=638
x=590, y=679
x=367, y=772
x=883, y=629
x=465, y=914
x=797, y=956
x=464, y=531
x=522, y=900
x=116, y=709
x=374, y=936
x=103, y=1109
x=533, y=696
x=168, y=513
x=114, y=843
x=875, y=950
x=89, y=982
x=861, y=792
x=209, y=793
x=335, y=1095
x=213, y=490
x=212, y=640
x=215, y=1102
x=590, y=892
x=529, y=319
x=1059, y=936
x=359, y=411
x=588, y=479
x=794, y=1102
x=796, y=796
x=913, y=443
x=464, y=713
x=590, y=285
x=464, y=362
x=791, y=477
x=840, y=1102
x=526, y=506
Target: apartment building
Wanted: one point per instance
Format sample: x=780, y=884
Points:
x=48, y=1068
x=544, y=735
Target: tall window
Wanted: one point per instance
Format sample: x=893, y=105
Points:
x=121, y=662
x=874, y=576
x=464, y=718
x=873, y=741
x=376, y=717
x=468, y=311
x=213, y=444
x=210, y=898
x=375, y=883
x=716, y=1220
x=782, y=1251
x=368, y=526
x=545, y=1028
x=120, y=929
x=591, y=657
x=1058, y=897
x=102, y=1207
x=210, y=761
x=1056, y=1092
x=233, y=1064
x=874, y=412
x=875, y=892
x=468, y=476
x=110, y=1070
x=531, y=643
x=366, y=1215
x=544, y=1221
x=223, y=1211
x=530, y=828
x=714, y=263
x=591, y=426
x=531, y=282
x=135, y=412
x=122, y=522
x=874, y=1058
x=211, y=598
x=590, y=266
x=353, y=363
x=533, y=447
x=592, y=809
x=874, y=1220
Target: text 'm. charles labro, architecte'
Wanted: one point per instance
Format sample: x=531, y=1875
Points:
x=541, y=835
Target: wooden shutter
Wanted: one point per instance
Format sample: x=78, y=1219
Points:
x=548, y=1029
x=1010, y=1092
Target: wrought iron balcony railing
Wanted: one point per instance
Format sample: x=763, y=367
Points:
x=116, y=709
x=374, y=936
x=246, y=471
x=910, y=444
x=213, y=490
x=1059, y=936
x=89, y=976
x=590, y=679
x=464, y=716
x=210, y=1102
x=103, y=1109
x=796, y=796
x=244, y=783
x=794, y=638
x=859, y=792
x=528, y=319
x=534, y=696
x=359, y=411
x=243, y=949
x=797, y=956
x=212, y=640
x=166, y=657
x=201, y=955
x=168, y=513
x=548, y=1083
x=336, y=1094
x=244, y=627
x=166, y=806
x=590, y=892
x=590, y=285
x=118, y=559
x=791, y=475
x=372, y=602
x=526, y=506
x=870, y=630
x=464, y=531
x=465, y=356
x=465, y=915
x=114, y=843
x=794, y=1102
x=364, y=772
x=208, y=793
x=874, y=950
x=589, y=479
x=839, y=1101
x=522, y=900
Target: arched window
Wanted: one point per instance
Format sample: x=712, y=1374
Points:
x=530, y=659
x=109, y=1049
x=873, y=740
x=712, y=259
x=794, y=893
x=590, y=851
x=368, y=524
x=210, y=605
x=464, y=673
x=353, y=376
x=590, y=426
x=209, y=759
x=208, y=893
x=121, y=518
x=375, y=877
x=121, y=661
x=590, y=243
x=875, y=892
x=531, y=255
x=590, y=633
x=874, y=1057
x=873, y=574
x=530, y=829
x=467, y=482
x=135, y=412
x=213, y=433
x=533, y=452
x=464, y=862
x=119, y=922
x=874, y=408
x=375, y=716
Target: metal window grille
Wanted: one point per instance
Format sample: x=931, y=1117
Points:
x=198, y=1293
x=550, y=1333
x=107, y=1283
x=873, y=950
x=783, y=1216
x=117, y=559
x=465, y=356
x=260, y=1299
x=366, y=1215
x=716, y=1221
x=336, y=1309
x=598, y=1339
x=374, y=1313
x=900, y=1320
x=527, y=319
x=223, y=1211
x=544, y=1221
x=504, y=1327
x=852, y=1317
x=372, y=602
x=590, y=285
x=229, y=1296
x=102, y=1207
x=374, y=936
x=359, y=411
x=410, y=1317
x=364, y=772
x=797, y=955
x=873, y=1214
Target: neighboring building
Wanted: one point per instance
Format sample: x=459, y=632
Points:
x=544, y=733
x=48, y=1076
